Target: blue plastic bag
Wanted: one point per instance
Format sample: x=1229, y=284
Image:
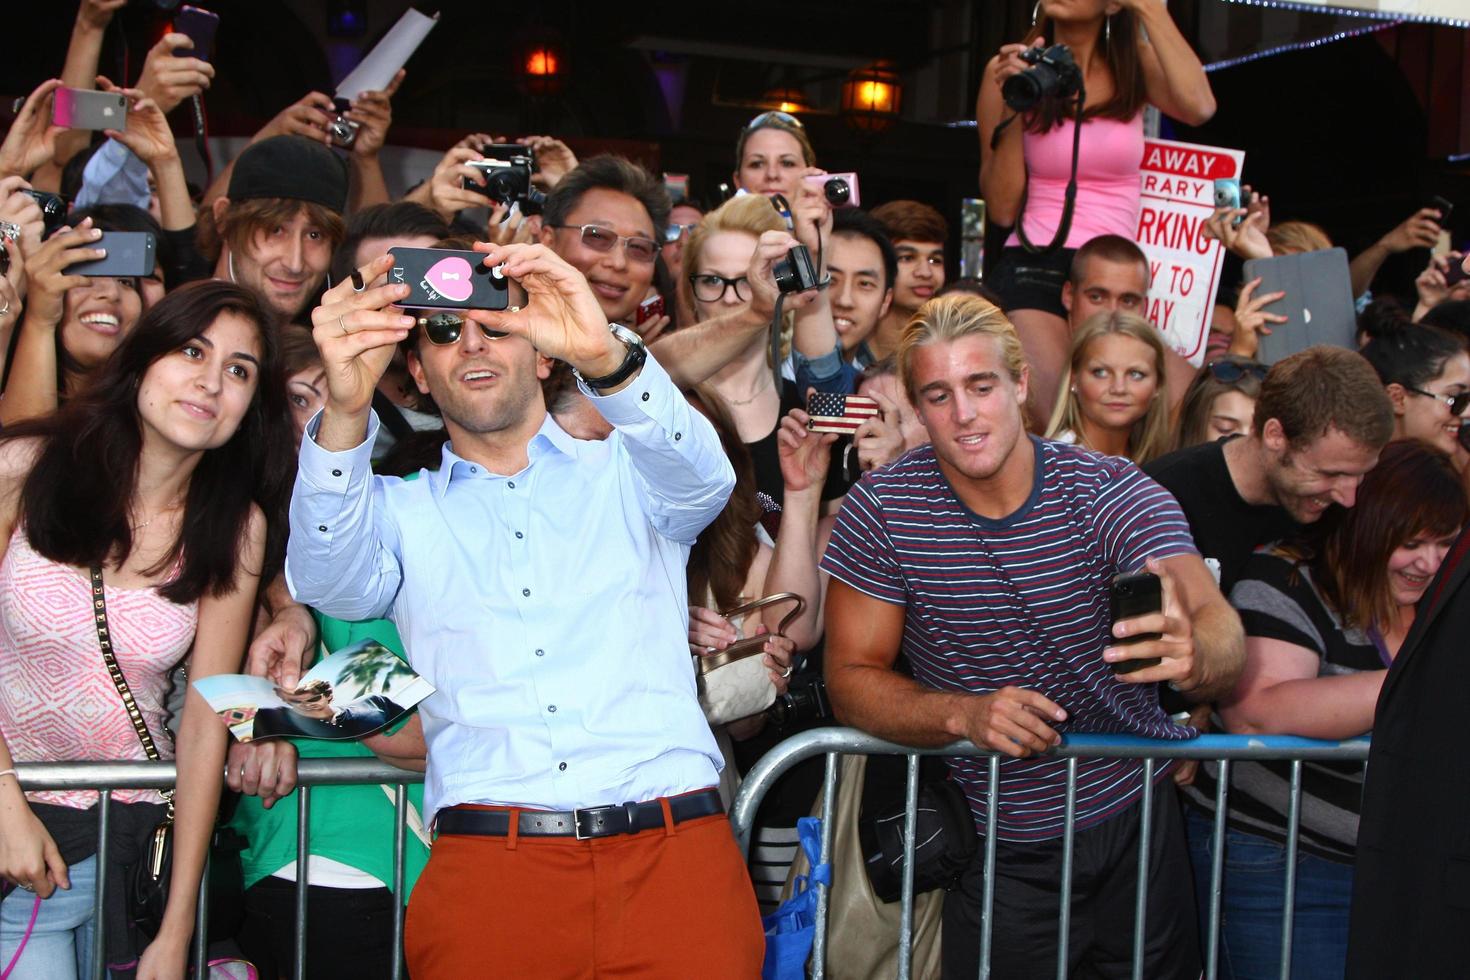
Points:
x=791, y=929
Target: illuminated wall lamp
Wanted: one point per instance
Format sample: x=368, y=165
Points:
x=872, y=97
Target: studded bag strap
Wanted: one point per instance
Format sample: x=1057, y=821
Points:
x=104, y=640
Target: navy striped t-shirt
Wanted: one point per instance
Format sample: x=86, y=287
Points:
x=1021, y=601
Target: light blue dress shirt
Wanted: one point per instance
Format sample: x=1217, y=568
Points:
x=548, y=608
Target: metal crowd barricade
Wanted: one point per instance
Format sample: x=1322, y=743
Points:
x=836, y=742
x=109, y=776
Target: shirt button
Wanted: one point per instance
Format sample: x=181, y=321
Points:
x=519, y=535
x=678, y=436
x=511, y=484
x=474, y=469
x=321, y=527
x=551, y=708
x=540, y=653
x=562, y=767
x=526, y=592
x=645, y=396
x=336, y=472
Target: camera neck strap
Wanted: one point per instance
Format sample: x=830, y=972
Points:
x=1064, y=226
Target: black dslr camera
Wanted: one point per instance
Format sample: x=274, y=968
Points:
x=507, y=169
x=796, y=273
x=805, y=701
x=1053, y=72
x=53, y=210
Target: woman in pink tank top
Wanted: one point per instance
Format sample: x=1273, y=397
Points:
x=170, y=475
x=1129, y=53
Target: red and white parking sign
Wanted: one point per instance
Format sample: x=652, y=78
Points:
x=1178, y=184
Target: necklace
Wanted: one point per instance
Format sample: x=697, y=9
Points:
x=746, y=401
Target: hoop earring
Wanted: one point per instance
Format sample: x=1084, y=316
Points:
x=1108, y=31
x=1035, y=13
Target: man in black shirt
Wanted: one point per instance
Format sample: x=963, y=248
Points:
x=1319, y=424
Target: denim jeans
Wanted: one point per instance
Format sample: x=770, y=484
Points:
x=1253, y=904
x=60, y=947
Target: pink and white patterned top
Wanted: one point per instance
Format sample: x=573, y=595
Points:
x=57, y=702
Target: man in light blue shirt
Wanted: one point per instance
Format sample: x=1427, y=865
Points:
x=538, y=582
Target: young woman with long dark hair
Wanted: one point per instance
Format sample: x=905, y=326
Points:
x=169, y=474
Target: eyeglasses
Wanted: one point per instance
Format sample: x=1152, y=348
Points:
x=774, y=116
x=675, y=232
x=601, y=239
x=710, y=288
x=444, y=329
x=1229, y=372
x=1457, y=403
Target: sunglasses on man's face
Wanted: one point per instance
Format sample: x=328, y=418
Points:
x=443, y=329
x=601, y=239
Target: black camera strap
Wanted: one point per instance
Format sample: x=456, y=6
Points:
x=776, y=344
x=1064, y=227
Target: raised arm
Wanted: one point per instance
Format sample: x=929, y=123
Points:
x=1002, y=167
x=1172, y=74
x=805, y=457
x=80, y=67
x=693, y=354
x=339, y=559
x=683, y=472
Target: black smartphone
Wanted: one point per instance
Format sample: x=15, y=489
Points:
x=1131, y=596
x=53, y=210
x=200, y=26
x=1444, y=206
x=448, y=279
x=80, y=108
x=129, y=253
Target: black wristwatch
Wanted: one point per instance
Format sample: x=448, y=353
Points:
x=637, y=354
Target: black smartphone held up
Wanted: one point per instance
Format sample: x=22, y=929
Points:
x=200, y=26
x=1131, y=596
x=129, y=253
x=1444, y=206
x=80, y=108
x=448, y=279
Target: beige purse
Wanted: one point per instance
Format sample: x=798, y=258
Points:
x=862, y=932
x=734, y=683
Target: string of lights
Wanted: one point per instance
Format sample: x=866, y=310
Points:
x=1398, y=15
x=1298, y=45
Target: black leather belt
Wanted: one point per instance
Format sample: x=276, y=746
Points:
x=583, y=824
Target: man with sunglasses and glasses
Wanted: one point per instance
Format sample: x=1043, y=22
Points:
x=538, y=582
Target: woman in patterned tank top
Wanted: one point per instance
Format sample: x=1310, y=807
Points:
x=171, y=473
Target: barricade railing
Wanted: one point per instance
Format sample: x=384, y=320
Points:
x=1224, y=749
x=106, y=777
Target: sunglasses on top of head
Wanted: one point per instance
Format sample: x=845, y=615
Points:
x=443, y=328
x=1229, y=372
x=775, y=116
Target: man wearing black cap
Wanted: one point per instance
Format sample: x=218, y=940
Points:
x=276, y=228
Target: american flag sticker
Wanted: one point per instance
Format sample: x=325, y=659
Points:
x=839, y=413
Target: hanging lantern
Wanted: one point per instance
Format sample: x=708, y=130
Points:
x=540, y=63
x=872, y=97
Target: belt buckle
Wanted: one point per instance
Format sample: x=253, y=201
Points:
x=577, y=823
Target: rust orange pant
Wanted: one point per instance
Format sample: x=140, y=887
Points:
x=671, y=902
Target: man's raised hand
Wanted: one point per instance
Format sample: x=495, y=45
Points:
x=562, y=318
x=357, y=331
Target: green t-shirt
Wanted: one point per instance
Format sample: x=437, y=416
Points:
x=350, y=824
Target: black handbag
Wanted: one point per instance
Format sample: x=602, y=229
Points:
x=146, y=892
x=944, y=840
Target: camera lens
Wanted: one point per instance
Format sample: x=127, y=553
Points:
x=837, y=192
x=1023, y=90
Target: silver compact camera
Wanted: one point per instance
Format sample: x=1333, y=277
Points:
x=342, y=130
